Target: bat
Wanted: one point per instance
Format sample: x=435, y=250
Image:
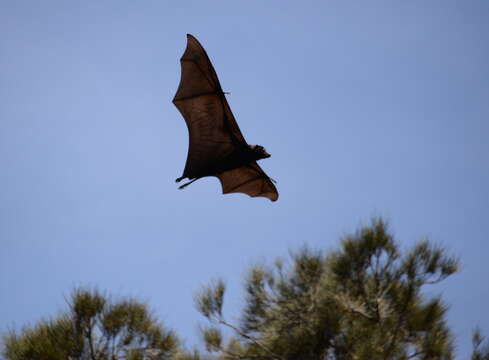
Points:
x=216, y=145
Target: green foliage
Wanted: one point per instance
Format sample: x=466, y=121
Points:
x=481, y=351
x=53, y=339
x=213, y=338
x=210, y=300
x=363, y=301
x=95, y=328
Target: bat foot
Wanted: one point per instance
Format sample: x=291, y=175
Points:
x=179, y=179
x=187, y=184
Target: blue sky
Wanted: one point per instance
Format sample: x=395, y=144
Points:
x=368, y=109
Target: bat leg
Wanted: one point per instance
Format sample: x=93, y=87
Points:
x=187, y=184
x=180, y=179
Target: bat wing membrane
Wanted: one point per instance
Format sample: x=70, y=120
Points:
x=213, y=131
x=250, y=180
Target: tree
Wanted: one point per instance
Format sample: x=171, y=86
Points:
x=94, y=328
x=363, y=301
x=481, y=352
x=366, y=300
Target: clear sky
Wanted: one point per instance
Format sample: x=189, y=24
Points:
x=376, y=108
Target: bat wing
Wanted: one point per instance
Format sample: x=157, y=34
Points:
x=250, y=180
x=213, y=131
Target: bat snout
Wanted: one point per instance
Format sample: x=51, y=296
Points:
x=260, y=152
x=264, y=154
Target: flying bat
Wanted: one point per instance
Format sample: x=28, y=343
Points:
x=216, y=145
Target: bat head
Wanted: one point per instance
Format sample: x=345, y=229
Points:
x=260, y=152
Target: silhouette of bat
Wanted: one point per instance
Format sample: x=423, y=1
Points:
x=216, y=145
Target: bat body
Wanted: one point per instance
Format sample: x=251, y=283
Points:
x=216, y=145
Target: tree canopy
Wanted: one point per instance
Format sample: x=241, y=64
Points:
x=94, y=328
x=363, y=301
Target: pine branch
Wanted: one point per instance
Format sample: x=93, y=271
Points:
x=247, y=337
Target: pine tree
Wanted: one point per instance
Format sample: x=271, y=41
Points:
x=363, y=301
x=94, y=328
x=366, y=300
x=481, y=350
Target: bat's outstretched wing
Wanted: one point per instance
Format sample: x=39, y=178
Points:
x=216, y=145
x=250, y=180
x=213, y=131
